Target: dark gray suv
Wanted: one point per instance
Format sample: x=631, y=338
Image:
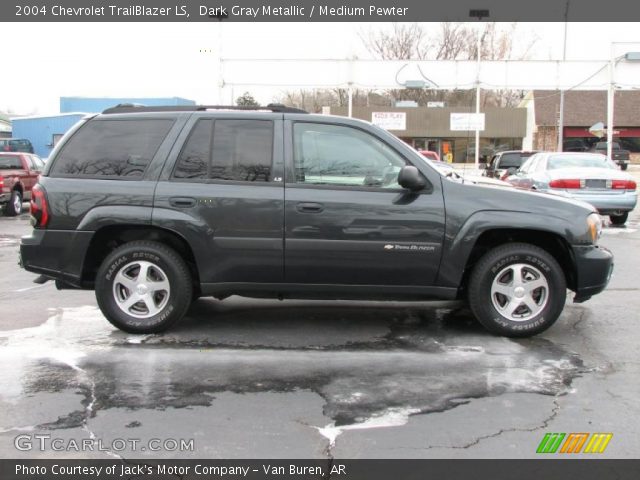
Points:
x=154, y=207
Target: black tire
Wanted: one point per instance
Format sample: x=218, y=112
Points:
x=14, y=206
x=165, y=265
x=619, y=219
x=535, y=263
x=623, y=166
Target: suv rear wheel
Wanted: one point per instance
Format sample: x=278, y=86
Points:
x=143, y=287
x=517, y=290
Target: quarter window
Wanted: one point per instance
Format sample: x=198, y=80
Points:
x=111, y=148
x=337, y=155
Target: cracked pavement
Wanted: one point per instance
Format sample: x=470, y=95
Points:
x=307, y=379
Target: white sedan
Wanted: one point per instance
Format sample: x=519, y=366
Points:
x=590, y=177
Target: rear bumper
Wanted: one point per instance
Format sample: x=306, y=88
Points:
x=594, y=266
x=609, y=203
x=58, y=254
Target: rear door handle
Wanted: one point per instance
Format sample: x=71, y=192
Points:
x=182, y=202
x=307, y=207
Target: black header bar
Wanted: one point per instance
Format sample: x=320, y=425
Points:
x=539, y=469
x=320, y=11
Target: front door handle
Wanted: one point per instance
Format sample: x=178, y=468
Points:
x=182, y=202
x=308, y=207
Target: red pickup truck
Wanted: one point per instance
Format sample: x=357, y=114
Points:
x=18, y=174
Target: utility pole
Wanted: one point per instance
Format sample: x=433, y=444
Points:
x=564, y=58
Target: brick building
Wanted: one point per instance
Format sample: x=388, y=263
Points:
x=582, y=109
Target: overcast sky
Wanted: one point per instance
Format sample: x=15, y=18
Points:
x=180, y=59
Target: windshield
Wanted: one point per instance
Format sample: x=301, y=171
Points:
x=577, y=161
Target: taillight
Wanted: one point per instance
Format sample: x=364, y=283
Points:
x=564, y=183
x=1, y=183
x=623, y=185
x=39, y=207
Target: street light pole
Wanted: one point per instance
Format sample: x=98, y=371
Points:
x=610, y=98
x=564, y=59
x=477, y=153
x=479, y=14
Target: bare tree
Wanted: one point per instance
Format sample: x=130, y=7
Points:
x=446, y=41
x=451, y=41
x=312, y=100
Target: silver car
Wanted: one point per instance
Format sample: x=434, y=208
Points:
x=590, y=177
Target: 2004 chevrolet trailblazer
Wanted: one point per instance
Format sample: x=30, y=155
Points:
x=153, y=207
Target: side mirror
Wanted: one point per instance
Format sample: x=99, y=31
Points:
x=411, y=178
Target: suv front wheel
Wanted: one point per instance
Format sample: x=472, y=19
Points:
x=143, y=287
x=517, y=290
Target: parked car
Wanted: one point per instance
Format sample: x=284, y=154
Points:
x=501, y=162
x=589, y=177
x=18, y=174
x=153, y=207
x=430, y=154
x=15, y=145
x=618, y=154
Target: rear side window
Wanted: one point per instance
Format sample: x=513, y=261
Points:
x=111, y=148
x=240, y=150
x=10, y=162
x=511, y=160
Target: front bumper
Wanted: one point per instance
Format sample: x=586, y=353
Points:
x=594, y=266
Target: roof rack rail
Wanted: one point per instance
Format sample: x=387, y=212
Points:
x=135, y=108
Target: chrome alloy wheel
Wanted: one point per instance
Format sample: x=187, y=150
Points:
x=17, y=204
x=519, y=292
x=141, y=289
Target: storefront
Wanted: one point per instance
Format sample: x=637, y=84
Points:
x=582, y=110
x=427, y=128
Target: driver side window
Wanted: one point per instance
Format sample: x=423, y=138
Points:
x=345, y=156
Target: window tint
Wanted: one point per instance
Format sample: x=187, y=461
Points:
x=336, y=155
x=512, y=160
x=193, y=161
x=242, y=150
x=111, y=148
x=10, y=162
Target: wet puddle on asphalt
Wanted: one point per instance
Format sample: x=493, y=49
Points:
x=373, y=365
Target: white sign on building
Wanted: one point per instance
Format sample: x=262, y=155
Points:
x=467, y=121
x=390, y=120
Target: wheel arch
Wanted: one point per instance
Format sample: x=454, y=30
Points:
x=552, y=243
x=488, y=229
x=108, y=238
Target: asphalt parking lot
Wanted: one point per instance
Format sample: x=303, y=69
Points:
x=244, y=378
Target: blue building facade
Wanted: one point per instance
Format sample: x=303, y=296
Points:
x=97, y=104
x=45, y=131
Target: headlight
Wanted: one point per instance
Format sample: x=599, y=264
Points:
x=595, y=227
